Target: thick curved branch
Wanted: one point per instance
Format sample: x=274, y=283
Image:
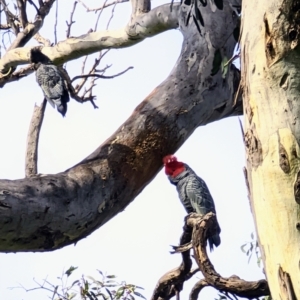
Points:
x=33, y=139
x=63, y=208
x=234, y=285
x=158, y=20
x=172, y=282
x=197, y=288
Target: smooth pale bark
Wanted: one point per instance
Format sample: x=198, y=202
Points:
x=51, y=211
x=271, y=84
x=141, y=26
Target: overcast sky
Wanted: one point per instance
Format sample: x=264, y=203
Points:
x=135, y=244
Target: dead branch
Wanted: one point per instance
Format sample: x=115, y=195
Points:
x=71, y=22
x=93, y=69
x=101, y=76
x=4, y=26
x=11, y=19
x=55, y=24
x=203, y=227
x=156, y=21
x=102, y=6
x=15, y=76
x=197, y=288
x=33, y=139
x=22, y=13
x=32, y=28
x=172, y=282
x=33, y=4
x=73, y=92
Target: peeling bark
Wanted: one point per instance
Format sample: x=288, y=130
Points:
x=47, y=212
x=271, y=91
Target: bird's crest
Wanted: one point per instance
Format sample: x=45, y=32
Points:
x=172, y=166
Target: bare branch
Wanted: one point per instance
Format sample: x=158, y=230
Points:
x=69, y=25
x=22, y=12
x=11, y=19
x=33, y=139
x=73, y=92
x=101, y=76
x=141, y=7
x=15, y=76
x=197, y=288
x=32, y=28
x=102, y=6
x=202, y=228
x=172, y=282
x=156, y=21
x=33, y=4
x=4, y=26
x=55, y=24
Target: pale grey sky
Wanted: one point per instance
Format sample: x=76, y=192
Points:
x=134, y=245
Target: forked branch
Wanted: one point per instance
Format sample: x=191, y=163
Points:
x=203, y=227
x=172, y=282
x=195, y=233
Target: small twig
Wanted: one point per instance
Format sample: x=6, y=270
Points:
x=36, y=8
x=36, y=122
x=101, y=76
x=73, y=93
x=55, y=24
x=98, y=17
x=22, y=13
x=69, y=25
x=237, y=95
x=111, y=16
x=232, y=59
x=242, y=129
x=102, y=6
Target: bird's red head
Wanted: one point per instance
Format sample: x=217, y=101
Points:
x=172, y=166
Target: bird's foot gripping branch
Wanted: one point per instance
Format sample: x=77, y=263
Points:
x=196, y=230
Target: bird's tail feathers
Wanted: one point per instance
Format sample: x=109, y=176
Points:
x=214, y=240
x=51, y=102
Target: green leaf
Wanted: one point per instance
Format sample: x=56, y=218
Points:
x=110, y=276
x=224, y=67
x=216, y=62
x=120, y=293
x=70, y=270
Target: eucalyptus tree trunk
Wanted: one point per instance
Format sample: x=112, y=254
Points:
x=271, y=85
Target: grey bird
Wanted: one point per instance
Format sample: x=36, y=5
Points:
x=192, y=190
x=50, y=80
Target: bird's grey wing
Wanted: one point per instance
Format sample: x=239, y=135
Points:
x=50, y=81
x=199, y=195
